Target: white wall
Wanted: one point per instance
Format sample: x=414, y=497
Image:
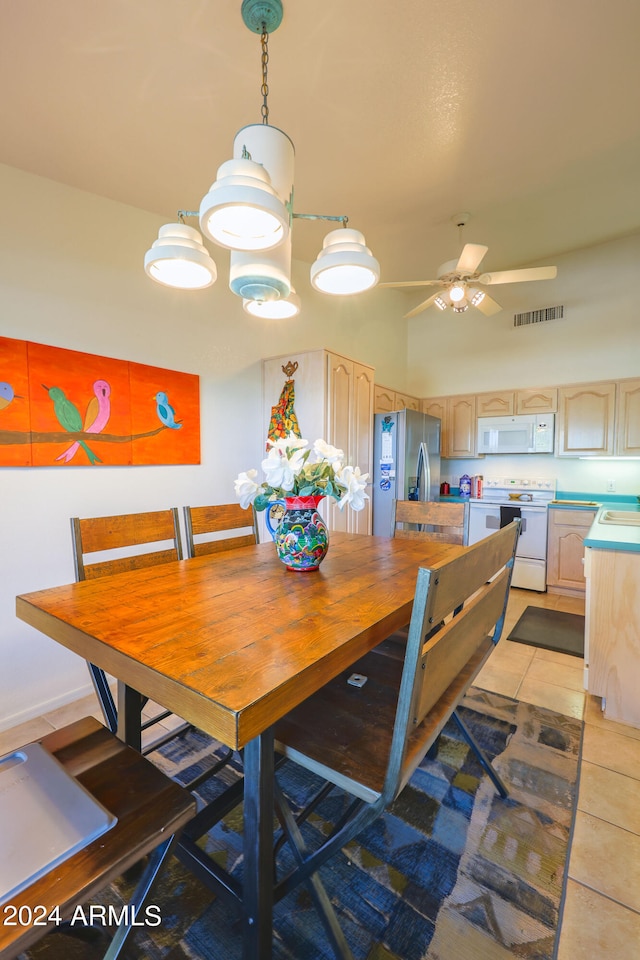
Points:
x=598, y=339
x=71, y=276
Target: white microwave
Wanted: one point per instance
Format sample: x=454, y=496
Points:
x=526, y=433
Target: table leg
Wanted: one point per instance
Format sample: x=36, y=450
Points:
x=258, y=848
x=130, y=704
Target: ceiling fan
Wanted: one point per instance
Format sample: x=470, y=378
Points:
x=460, y=282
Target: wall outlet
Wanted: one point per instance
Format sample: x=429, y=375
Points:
x=611, y=486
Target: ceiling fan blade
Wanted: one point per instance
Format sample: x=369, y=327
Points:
x=411, y=283
x=517, y=276
x=488, y=306
x=470, y=258
x=421, y=306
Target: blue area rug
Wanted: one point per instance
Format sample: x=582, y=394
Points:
x=450, y=872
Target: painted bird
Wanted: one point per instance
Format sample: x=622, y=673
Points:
x=68, y=416
x=7, y=395
x=96, y=416
x=166, y=413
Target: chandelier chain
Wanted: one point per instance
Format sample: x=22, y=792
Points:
x=264, y=89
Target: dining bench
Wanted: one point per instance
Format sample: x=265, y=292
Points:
x=368, y=729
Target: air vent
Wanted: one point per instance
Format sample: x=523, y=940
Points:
x=538, y=316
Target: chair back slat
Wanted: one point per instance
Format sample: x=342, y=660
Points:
x=459, y=580
x=446, y=652
x=430, y=520
x=103, y=534
x=222, y=520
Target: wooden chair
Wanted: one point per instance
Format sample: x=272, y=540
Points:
x=368, y=740
x=425, y=520
x=150, y=810
x=116, y=536
x=229, y=524
x=430, y=520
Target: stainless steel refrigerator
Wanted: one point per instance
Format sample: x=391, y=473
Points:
x=406, y=462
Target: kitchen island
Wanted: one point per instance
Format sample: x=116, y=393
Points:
x=612, y=624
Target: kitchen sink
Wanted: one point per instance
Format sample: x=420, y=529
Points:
x=629, y=517
x=578, y=503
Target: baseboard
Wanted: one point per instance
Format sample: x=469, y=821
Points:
x=47, y=706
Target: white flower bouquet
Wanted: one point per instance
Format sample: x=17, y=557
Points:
x=291, y=471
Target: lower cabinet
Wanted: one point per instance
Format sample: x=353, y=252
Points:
x=611, y=650
x=565, y=550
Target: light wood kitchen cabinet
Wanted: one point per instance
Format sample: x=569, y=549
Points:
x=333, y=401
x=585, y=422
x=405, y=402
x=537, y=401
x=350, y=394
x=500, y=404
x=386, y=400
x=628, y=418
x=611, y=649
x=565, y=550
x=458, y=431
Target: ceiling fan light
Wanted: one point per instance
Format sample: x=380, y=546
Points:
x=477, y=296
x=457, y=292
x=179, y=259
x=460, y=307
x=284, y=309
x=345, y=265
x=242, y=211
x=440, y=302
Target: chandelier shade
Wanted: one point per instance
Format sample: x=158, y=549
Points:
x=247, y=205
x=283, y=309
x=345, y=265
x=178, y=258
x=263, y=275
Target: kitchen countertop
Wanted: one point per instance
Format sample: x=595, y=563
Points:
x=605, y=536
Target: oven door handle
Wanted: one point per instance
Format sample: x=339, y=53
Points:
x=493, y=523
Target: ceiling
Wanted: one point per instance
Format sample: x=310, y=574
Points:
x=526, y=115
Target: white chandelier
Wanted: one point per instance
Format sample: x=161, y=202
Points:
x=249, y=211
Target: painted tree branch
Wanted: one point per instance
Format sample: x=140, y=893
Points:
x=63, y=436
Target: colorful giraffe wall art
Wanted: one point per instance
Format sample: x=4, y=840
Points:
x=61, y=408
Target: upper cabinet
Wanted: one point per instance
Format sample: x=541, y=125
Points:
x=506, y=403
x=628, y=419
x=500, y=404
x=387, y=400
x=585, y=424
x=458, y=431
x=537, y=401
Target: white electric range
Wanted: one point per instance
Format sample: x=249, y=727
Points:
x=506, y=497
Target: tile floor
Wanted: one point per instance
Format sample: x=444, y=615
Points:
x=602, y=910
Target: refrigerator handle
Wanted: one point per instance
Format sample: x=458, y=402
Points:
x=424, y=468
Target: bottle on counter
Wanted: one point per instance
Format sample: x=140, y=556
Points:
x=476, y=487
x=445, y=489
x=465, y=485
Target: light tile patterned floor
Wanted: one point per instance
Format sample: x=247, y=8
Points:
x=602, y=910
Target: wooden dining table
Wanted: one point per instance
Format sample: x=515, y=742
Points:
x=231, y=642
